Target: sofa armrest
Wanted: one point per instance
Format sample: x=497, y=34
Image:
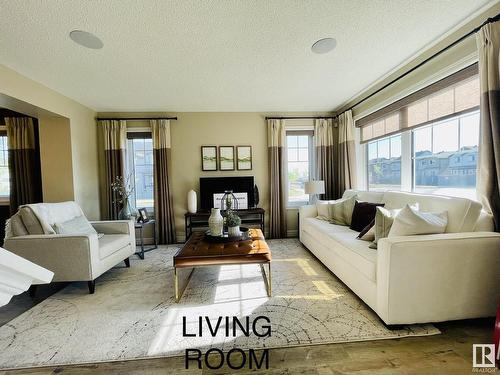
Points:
x=70, y=257
x=114, y=226
x=438, y=277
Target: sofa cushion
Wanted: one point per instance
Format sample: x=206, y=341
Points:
x=340, y=211
x=363, y=214
x=78, y=225
x=462, y=213
x=111, y=243
x=342, y=240
x=365, y=196
x=409, y=222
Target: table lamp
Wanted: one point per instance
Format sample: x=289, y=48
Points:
x=313, y=188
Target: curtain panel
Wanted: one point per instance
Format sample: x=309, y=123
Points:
x=276, y=137
x=115, y=141
x=325, y=141
x=163, y=202
x=346, y=153
x=24, y=162
x=488, y=184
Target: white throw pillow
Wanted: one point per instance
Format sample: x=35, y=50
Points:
x=384, y=219
x=322, y=208
x=410, y=221
x=340, y=211
x=78, y=225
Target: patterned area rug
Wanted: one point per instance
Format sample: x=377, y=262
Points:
x=133, y=313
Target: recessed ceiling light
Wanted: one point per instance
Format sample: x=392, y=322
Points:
x=86, y=39
x=324, y=45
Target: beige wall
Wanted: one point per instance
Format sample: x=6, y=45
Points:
x=55, y=159
x=30, y=94
x=195, y=129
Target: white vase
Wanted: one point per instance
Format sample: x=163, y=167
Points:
x=192, y=201
x=233, y=231
x=216, y=222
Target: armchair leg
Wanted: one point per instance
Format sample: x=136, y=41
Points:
x=91, y=285
x=32, y=291
x=127, y=262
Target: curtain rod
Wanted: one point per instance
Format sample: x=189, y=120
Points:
x=299, y=117
x=135, y=118
x=436, y=54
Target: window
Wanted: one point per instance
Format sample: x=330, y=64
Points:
x=384, y=164
x=140, y=167
x=429, y=139
x=299, y=161
x=451, y=147
x=4, y=168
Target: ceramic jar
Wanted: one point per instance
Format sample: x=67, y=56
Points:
x=192, y=201
x=216, y=222
x=233, y=231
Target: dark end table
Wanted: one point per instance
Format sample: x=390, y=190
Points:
x=141, y=226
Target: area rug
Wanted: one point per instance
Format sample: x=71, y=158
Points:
x=133, y=313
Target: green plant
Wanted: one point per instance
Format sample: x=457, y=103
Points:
x=233, y=220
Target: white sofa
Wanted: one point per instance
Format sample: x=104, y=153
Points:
x=72, y=257
x=415, y=279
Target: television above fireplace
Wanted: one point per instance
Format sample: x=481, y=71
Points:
x=217, y=185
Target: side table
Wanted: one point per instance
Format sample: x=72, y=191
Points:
x=141, y=226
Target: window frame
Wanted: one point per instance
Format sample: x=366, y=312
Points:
x=408, y=167
x=310, y=134
x=137, y=133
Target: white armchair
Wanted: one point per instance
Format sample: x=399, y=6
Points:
x=72, y=257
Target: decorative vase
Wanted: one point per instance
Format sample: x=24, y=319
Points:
x=256, y=196
x=127, y=212
x=233, y=231
x=192, y=201
x=216, y=222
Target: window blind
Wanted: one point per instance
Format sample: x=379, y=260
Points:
x=450, y=96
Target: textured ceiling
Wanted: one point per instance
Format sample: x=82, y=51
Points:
x=218, y=55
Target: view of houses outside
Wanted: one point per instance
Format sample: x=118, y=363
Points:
x=140, y=164
x=298, y=167
x=444, y=159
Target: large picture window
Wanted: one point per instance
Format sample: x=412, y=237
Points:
x=384, y=164
x=445, y=156
x=299, y=165
x=140, y=167
x=428, y=141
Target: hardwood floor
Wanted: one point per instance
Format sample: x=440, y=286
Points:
x=448, y=353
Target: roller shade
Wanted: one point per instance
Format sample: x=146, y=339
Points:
x=451, y=96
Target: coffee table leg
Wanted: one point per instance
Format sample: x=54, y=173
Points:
x=267, y=279
x=178, y=294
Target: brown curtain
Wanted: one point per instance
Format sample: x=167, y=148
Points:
x=164, y=208
x=325, y=146
x=346, y=153
x=24, y=162
x=488, y=186
x=115, y=140
x=277, y=205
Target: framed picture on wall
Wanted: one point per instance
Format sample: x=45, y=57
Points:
x=208, y=158
x=244, y=158
x=226, y=158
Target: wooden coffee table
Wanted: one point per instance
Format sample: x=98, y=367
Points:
x=197, y=252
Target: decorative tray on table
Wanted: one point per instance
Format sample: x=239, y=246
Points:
x=226, y=238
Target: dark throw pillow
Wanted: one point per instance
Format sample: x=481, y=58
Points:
x=363, y=214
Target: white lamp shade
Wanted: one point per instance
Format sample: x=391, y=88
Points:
x=314, y=187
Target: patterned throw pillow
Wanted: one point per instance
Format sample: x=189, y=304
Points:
x=384, y=219
x=340, y=211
